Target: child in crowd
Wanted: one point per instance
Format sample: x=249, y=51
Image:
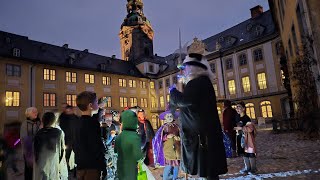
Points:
x=49, y=150
x=88, y=146
x=128, y=147
x=248, y=140
x=167, y=146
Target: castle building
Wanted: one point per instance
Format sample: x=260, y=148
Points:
x=244, y=58
x=298, y=25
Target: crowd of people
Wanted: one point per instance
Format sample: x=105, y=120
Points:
x=103, y=145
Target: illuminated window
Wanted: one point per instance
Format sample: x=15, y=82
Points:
x=161, y=101
x=89, y=78
x=283, y=77
x=257, y=55
x=232, y=87
x=266, y=109
x=12, y=98
x=133, y=102
x=142, y=84
x=144, y=103
x=262, y=82
x=242, y=59
x=132, y=83
x=152, y=85
x=123, y=102
x=49, y=74
x=246, y=84
x=215, y=87
x=71, y=77
x=109, y=101
x=71, y=100
x=168, y=98
x=13, y=70
x=219, y=111
x=153, y=102
x=250, y=110
x=106, y=80
x=122, y=83
x=49, y=99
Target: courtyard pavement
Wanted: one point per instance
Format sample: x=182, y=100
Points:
x=280, y=156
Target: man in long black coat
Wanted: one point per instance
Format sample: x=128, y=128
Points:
x=203, y=152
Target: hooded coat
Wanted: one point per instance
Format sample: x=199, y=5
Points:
x=48, y=153
x=203, y=150
x=128, y=147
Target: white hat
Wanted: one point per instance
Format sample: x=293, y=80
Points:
x=195, y=59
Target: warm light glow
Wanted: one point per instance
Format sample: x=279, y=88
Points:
x=246, y=84
x=266, y=109
x=262, y=81
x=250, y=110
x=232, y=87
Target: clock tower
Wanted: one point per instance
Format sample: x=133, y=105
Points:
x=136, y=34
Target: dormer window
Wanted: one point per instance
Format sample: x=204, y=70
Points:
x=221, y=39
x=16, y=52
x=228, y=41
x=151, y=68
x=258, y=30
x=103, y=67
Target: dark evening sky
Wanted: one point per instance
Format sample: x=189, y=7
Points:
x=95, y=24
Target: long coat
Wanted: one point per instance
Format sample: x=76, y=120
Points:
x=203, y=151
x=48, y=153
x=128, y=147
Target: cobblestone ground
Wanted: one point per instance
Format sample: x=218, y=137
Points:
x=278, y=155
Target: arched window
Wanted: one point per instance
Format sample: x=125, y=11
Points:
x=250, y=110
x=266, y=109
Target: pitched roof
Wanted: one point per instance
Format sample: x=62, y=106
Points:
x=243, y=32
x=44, y=53
x=240, y=34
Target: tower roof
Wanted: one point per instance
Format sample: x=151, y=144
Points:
x=135, y=14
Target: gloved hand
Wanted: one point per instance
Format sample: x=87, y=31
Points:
x=172, y=87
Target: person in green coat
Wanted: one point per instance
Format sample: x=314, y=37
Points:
x=128, y=147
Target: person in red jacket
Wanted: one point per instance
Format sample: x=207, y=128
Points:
x=229, y=122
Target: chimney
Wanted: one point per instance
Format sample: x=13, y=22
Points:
x=113, y=56
x=86, y=50
x=256, y=11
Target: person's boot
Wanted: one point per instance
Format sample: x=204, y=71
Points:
x=247, y=166
x=253, y=169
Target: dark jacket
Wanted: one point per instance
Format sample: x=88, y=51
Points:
x=66, y=122
x=146, y=132
x=203, y=151
x=229, y=119
x=87, y=144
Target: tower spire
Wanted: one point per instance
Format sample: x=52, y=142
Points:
x=136, y=34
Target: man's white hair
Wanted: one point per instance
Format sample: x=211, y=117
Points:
x=29, y=110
